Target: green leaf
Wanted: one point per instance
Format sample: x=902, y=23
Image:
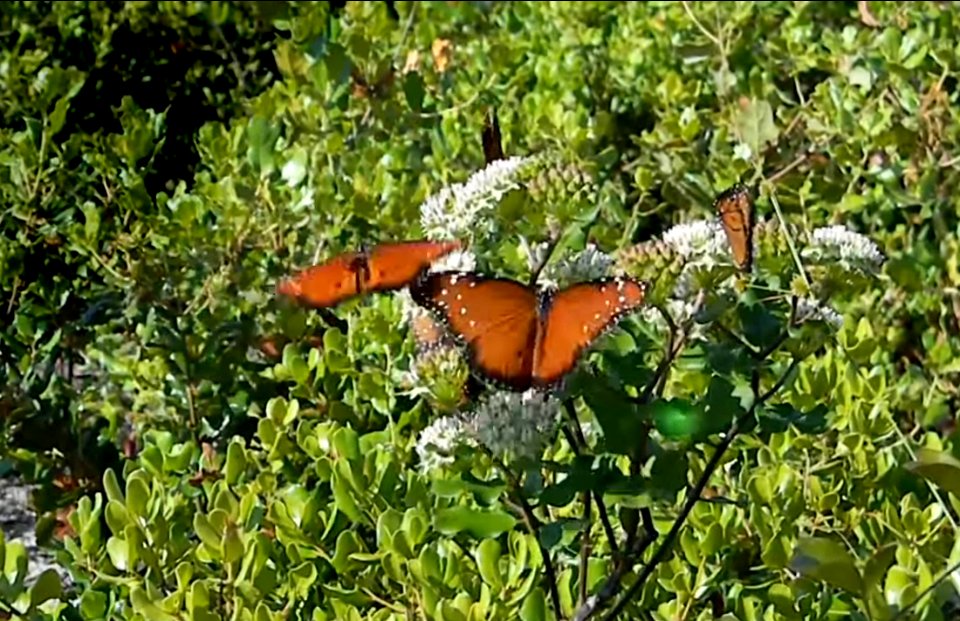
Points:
x=232, y=544
x=478, y=523
x=116, y=516
x=261, y=137
x=111, y=486
x=484, y=492
x=488, y=562
x=93, y=604
x=236, y=462
x=343, y=492
x=755, y=125
x=205, y=531
x=678, y=419
x=877, y=565
x=46, y=587
x=534, y=606
x=150, y=610
x=138, y=495
x=413, y=90
x=303, y=577
x=620, y=419
x=939, y=468
x=827, y=561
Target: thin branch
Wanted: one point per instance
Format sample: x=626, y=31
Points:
x=577, y=443
x=713, y=38
x=607, y=526
x=533, y=525
x=926, y=591
x=612, y=584
x=789, y=167
x=584, y=549
x=669, y=353
x=692, y=497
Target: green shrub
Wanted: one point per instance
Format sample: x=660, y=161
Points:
x=165, y=164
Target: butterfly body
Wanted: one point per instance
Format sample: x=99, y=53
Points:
x=735, y=208
x=385, y=267
x=520, y=337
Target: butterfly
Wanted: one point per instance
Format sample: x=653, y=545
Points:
x=520, y=337
x=492, y=144
x=385, y=267
x=735, y=208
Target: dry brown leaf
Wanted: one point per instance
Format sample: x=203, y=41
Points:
x=442, y=51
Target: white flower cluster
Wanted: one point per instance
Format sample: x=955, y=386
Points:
x=809, y=309
x=507, y=423
x=453, y=211
x=851, y=249
x=701, y=239
x=515, y=423
x=437, y=442
x=703, y=245
x=588, y=264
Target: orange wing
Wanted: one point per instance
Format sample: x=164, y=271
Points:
x=326, y=284
x=495, y=317
x=577, y=316
x=735, y=207
x=385, y=267
x=394, y=266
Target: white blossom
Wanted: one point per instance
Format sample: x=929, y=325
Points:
x=588, y=264
x=458, y=260
x=438, y=441
x=514, y=423
x=700, y=239
x=809, y=309
x=849, y=247
x=455, y=209
x=507, y=423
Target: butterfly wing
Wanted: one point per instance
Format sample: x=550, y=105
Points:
x=735, y=208
x=394, y=266
x=496, y=318
x=576, y=317
x=326, y=284
x=492, y=144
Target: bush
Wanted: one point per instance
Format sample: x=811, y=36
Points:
x=778, y=444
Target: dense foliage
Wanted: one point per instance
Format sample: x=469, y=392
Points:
x=779, y=445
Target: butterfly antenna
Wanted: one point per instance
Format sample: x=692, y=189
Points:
x=551, y=246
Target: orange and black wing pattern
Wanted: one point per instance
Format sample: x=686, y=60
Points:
x=734, y=206
x=328, y=283
x=385, y=267
x=495, y=317
x=576, y=317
